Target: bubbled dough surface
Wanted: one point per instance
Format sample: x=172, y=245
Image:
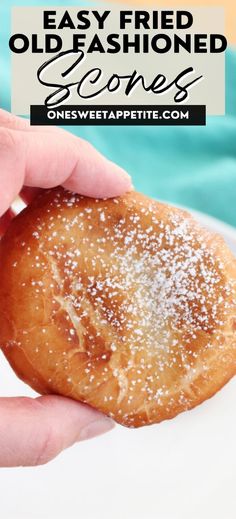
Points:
x=126, y=304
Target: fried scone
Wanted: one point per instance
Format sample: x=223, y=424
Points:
x=125, y=304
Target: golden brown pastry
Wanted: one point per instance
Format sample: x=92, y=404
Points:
x=126, y=304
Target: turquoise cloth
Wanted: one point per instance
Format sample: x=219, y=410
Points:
x=192, y=166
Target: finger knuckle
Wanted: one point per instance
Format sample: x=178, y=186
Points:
x=47, y=448
x=8, y=140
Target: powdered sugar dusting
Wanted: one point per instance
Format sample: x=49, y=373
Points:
x=141, y=291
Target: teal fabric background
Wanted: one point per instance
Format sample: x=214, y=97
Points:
x=193, y=166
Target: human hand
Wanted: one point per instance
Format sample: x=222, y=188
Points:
x=33, y=431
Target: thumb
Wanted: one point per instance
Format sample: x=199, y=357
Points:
x=33, y=431
x=48, y=159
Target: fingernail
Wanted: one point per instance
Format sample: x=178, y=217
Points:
x=96, y=428
x=121, y=172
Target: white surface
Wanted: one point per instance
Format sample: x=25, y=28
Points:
x=181, y=469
